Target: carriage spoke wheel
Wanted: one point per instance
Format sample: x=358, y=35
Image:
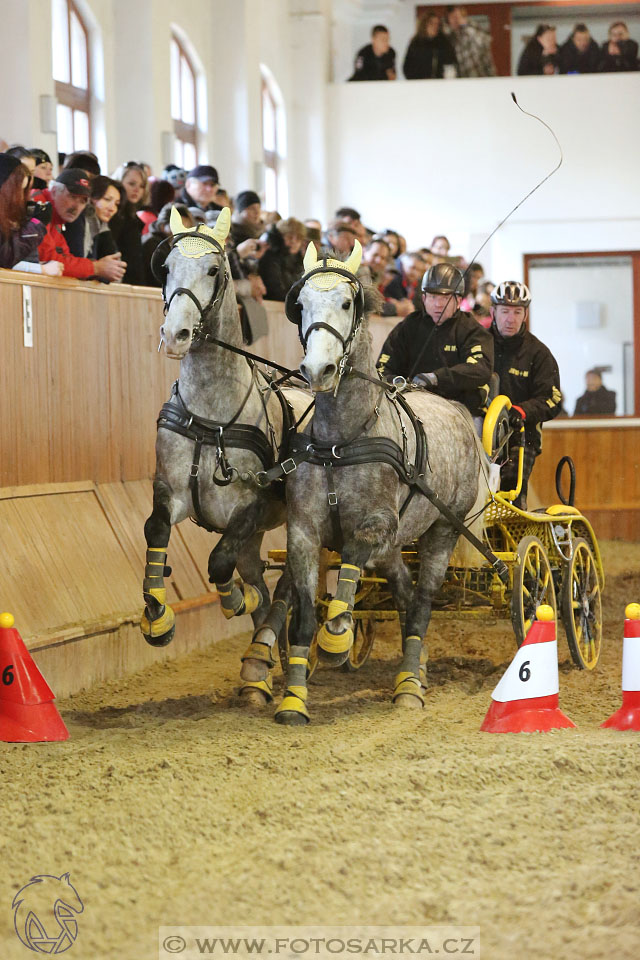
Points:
x=532, y=586
x=582, y=607
x=364, y=633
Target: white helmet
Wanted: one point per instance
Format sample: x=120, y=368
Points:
x=511, y=293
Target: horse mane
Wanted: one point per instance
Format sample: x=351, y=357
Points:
x=372, y=299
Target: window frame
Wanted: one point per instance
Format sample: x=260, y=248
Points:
x=68, y=95
x=185, y=132
x=270, y=158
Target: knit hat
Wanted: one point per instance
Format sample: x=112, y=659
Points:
x=7, y=166
x=246, y=198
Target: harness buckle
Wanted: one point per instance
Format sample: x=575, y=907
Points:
x=288, y=466
x=332, y=497
x=195, y=469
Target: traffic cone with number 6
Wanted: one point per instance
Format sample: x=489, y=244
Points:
x=526, y=699
x=27, y=711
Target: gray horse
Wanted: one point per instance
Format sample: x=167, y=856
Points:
x=222, y=425
x=358, y=509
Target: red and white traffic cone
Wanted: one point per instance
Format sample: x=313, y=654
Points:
x=526, y=699
x=27, y=711
x=628, y=716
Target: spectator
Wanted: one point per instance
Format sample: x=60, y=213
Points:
x=376, y=61
x=440, y=247
x=25, y=157
x=376, y=257
x=474, y=272
x=472, y=46
x=222, y=199
x=21, y=223
x=528, y=375
x=429, y=52
x=281, y=264
x=69, y=194
x=407, y=282
x=540, y=53
x=200, y=188
x=76, y=232
x=438, y=347
x=126, y=226
x=159, y=230
x=350, y=215
x=596, y=399
x=246, y=219
x=177, y=177
x=160, y=193
x=105, y=201
x=580, y=53
x=619, y=52
x=392, y=239
x=43, y=170
x=341, y=236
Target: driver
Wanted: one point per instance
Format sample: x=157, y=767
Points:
x=528, y=376
x=439, y=347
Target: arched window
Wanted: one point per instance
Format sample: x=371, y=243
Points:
x=184, y=106
x=70, y=47
x=273, y=145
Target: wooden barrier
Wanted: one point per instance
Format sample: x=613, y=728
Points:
x=77, y=436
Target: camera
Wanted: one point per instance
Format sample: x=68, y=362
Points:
x=37, y=210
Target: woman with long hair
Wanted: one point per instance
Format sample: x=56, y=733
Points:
x=105, y=202
x=126, y=226
x=429, y=51
x=21, y=223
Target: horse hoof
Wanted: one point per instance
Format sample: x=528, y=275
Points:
x=290, y=718
x=332, y=659
x=254, y=670
x=162, y=640
x=254, y=698
x=407, y=702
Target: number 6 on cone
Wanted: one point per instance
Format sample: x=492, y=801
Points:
x=526, y=699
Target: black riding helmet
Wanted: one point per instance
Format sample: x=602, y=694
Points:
x=443, y=278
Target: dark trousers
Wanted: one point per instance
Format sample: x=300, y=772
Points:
x=509, y=475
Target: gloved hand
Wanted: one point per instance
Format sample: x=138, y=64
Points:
x=517, y=416
x=425, y=380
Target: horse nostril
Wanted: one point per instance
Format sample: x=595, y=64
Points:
x=329, y=370
x=304, y=372
x=183, y=335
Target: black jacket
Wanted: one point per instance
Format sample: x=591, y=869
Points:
x=127, y=233
x=278, y=268
x=596, y=402
x=627, y=59
x=370, y=67
x=529, y=376
x=459, y=352
x=426, y=57
x=573, y=61
x=533, y=59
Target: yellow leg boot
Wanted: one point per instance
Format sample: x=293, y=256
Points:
x=293, y=711
x=158, y=619
x=235, y=601
x=335, y=636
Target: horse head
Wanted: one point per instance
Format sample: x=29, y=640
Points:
x=196, y=277
x=328, y=305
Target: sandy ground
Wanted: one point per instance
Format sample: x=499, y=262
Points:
x=171, y=804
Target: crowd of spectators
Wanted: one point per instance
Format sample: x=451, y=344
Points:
x=451, y=46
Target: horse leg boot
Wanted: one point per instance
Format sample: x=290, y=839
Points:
x=258, y=658
x=235, y=599
x=292, y=711
x=335, y=637
x=158, y=619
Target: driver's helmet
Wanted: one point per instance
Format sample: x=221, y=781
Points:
x=443, y=278
x=511, y=293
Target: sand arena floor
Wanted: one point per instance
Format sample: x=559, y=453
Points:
x=172, y=804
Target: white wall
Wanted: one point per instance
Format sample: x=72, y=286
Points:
x=455, y=156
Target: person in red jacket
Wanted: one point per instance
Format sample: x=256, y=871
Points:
x=69, y=194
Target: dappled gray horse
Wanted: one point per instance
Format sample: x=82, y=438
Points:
x=222, y=425
x=369, y=509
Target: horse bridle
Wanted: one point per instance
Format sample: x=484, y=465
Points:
x=160, y=271
x=293, y=310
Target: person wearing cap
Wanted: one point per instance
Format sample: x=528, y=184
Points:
x=69, y=194
x=528, y=375
x=200, y=188
x=440, y=347
x=246, y=219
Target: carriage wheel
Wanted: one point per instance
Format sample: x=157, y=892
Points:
x=283, y=651
x=532, y=586
x=581, y=606
x=364, y=633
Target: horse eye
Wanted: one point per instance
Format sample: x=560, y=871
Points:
x=212, y=272
x=346, y=304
